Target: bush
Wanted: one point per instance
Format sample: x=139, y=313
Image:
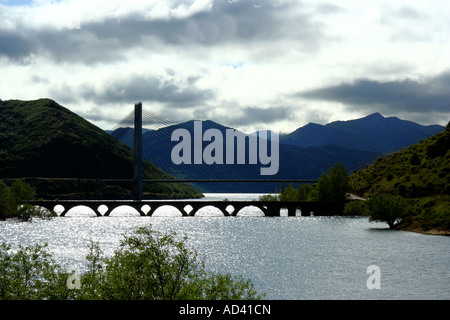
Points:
x=147, y=265
x=30, y=273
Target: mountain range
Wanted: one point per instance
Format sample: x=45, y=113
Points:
x=304, y=154
x=373, y=133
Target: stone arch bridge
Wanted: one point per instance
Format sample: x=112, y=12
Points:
x=191, y=207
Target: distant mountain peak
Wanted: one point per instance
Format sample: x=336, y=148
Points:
x=376, y=115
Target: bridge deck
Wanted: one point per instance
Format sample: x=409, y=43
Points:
x=191, y=207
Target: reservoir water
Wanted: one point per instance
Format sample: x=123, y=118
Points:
x=287, y=258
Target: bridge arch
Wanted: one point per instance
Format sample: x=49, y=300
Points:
x=79, y=211
x=211, y=211
x=250, y=211
x=58, y=209
x=145, y=209
x=102, y=209
x=166, y=210
x=124, y=211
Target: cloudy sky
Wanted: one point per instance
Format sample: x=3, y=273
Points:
x=250, y=64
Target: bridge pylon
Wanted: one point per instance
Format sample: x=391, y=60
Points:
x=137, y=169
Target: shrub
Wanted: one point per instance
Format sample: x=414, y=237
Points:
x=147, y=265
x=30, y=273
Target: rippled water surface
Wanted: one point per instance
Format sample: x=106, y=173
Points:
x=285, y=257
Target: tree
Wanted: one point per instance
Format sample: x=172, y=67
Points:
x=288, y=194
x=333, y=187
x=12, y=198
x=304, y=192
x=385, y=207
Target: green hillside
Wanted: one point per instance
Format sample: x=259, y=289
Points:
x=42, y=139
x=421, y=174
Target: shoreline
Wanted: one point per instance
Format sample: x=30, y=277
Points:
x=433, y=232
x=415, y=227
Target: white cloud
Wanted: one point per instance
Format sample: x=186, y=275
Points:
x=226, y=59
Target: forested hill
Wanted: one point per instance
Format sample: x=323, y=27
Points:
x=40, y=138
x=420, y=173
x=421, y=170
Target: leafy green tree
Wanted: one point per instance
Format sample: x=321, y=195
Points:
x=21, y=191
x=333, y=187
x=385, y=207
x=12, y=201
x=288, y=194
x=305, y=192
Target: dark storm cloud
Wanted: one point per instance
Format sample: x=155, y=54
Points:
x=227, y=21
x=60, y=45
x=147, y=89
x=15, y=45
x=242, y=22
x=431, y=95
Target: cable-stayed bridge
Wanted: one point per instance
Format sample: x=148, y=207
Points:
x=154, y=137
x=151, y=137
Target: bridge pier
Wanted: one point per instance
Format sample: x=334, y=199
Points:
x=292, y=210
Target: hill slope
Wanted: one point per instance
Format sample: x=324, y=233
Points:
x=374, y=133
x=43, y=139
x=420, y=173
